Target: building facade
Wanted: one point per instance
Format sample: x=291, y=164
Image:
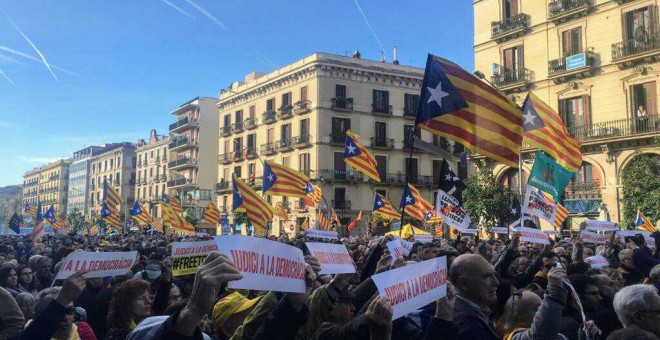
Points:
x=151, y=181
x=48, y=184
x=193, y=148
x=78, y=193
x=298, y=116
x=116, y=166
x=596, y=63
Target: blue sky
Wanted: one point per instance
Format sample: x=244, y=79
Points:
x=123, y=65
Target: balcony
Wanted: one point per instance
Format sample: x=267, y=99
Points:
x=560, y=11
x=183, y=124
x=340, y=175
x=237, y=155
x=580, y=65
x=408, y=143
x=341, y=205
x=382, y=143
x=225, y=131
x=410, y=112
x=381, y=109
x=301, y=141
x=512, y=80
x=284, y=145
x=302, y=107
x=180, y=182
x=237, y=127
x=224, y=158
x=285, y=112
x=616, y=128
x=422, y=181
x=338, y=138
x=222, y=187
x=181, y=163
x=251, y=152
x=342, y=104
x=509, y=28
x=181, y=143
x=583, y=190
x=268, y=117
x=157, y=160
x=249, y=123
x=267, y=149
x=162, y=177
x=644, y=48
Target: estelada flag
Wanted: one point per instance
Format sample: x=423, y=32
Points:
x=643, y=223
x=172, y=202
x=175, y=221
x=357, y=156
x=383, y=208
x=414, y=204
x=280, y=211
x=314, y=195
x=322, y=220
x=140, y=215
x=258, y=211
x=280, y=180
x=211, y=213
x=457, y=105
x=110, y=196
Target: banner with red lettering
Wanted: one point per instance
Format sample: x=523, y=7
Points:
x=595, y=238
x=597, y=261
x=188, y=256
x=536, y=204
x=413, y=286
x=325, y=234
x=396, y=249
x=600, y=225
x=533, y=235
x=97, y=264
x=500, y=230
x=650, y=241
x=265, y=264
x=334, y=258
x=423, y=238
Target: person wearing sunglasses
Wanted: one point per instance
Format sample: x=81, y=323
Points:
x=571, y=321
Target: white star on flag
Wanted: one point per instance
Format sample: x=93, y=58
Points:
x=379, y=203
x=514, y=211
x=529, y=118
x=408, y=199
x=350, y=148
x=448, y=177
x=437, y=94
x=271, y=177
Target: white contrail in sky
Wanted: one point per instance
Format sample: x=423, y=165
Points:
x=207, y=14
x=27, y=56
x=2, y=73
x=2, y=56
x=369, y=25
x=178, y=9
x=41, y=55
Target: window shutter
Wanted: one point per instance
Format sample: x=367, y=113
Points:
x=562, y=110
x=586, y=114
x=565, y=41
x=513, y=6
x=651, y=101
x=521, y=57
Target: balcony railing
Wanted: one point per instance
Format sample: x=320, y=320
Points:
x=383, y=143
x=268, y=117
x=381, y=109
x=237, y=155
x=251, y=153
x=225, y=131
x=616, y=128
x=410, y=112
x=642, y=43
x=284, y=144
x=180, y=162
x=558, y=8
x=224, y=158
x=341, y=205
x=222, y=186
x=249, y=123
x=564, y=65
x=285, y=111
x=511, y=77
x=342, y=104
x=182, y=123
x=179, y=182
x=338, y=138
x=300, y=141
x=180, y=142
x=302, y=106
x=583, y=190
x=237, y=127
x=340, y=175
x=267, y=149
x=509, y=26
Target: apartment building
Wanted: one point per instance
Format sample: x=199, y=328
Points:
x=596, y=62
x=298, y=116
x=78, y=192
x=48, y=184
x=151, y=181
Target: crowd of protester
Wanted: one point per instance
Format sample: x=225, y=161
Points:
x=499, y=289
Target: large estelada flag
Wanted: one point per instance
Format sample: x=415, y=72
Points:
x=544, y=129
x=314, y=195
x=414, y=204
x=211, y=214
x=258, y=211
x=383, y=208
x=60, y=223
x=280, y=180
x=643, y=223
x=459, y=106
x=110, y=216
x=357, y=156
x=110, y=196
x=175, y=221
x=49, y=215
x=140, y=215
x=172, y=202
x=30, y=210
x=322, y=220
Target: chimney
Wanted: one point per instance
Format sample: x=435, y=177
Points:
x=396, y=60
x=356, y=54
x=382, y=56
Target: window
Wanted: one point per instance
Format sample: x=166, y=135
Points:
x=150, y=192
x=639, y=24
x=237, y=171
x=252, y=142
x=225, y=174
x=139, y=161
x=252, y=112
x=270, y=104
x=512, y=60
x=437, y=168
x=285, y=132
x=340, y=91
x=380, y=134
x=575, y=112
x=644, y=95
x=238, y=117
x=238, y=144
x=407, y=137
x=340, y=198
x=285, y=161
x=410, y=102
x=303, y=163
x=339, y=165
x=227, y=121
x=156, y=188
x=571, y=42
x=144, y=192
x=140, y=173
x=510, y=8
x=381, y=167
x=304, y=127
x=157, y=154
x=151, y=156
x=286, y=99
x=381, y=101
x=252, y=169
x=382, y=192
x=441, y=142
x=303, y=93
x=339, y=128
x=270, y=135
x=411, y=169
x=585, y=174
x=227, y=146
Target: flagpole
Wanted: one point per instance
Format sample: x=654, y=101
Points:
x=520, y=189
x=412, y=142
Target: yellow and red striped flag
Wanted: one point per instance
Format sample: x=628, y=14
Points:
x=280, y=211
x=357, y=156
x=544, y=129
x=305, y=224
x=322, y=220
x=433, y=218
x=30, y=210
x=643, y=223
x=110, y=196
x=438, y=231
x=157, y=224
x=258, y=211
x=414, y=204
x=172, y=202
x=211, y=214
x=560, y=215
x=60, y=224
x=383, y=208
x=355, y=222
x=280, y=180
x=93, y=231
x=175, y=221
x=141, y=215
x=110, y=216
x=314, y=195
x=459, y=106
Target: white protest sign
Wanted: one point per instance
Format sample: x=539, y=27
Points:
x=448, y=207
x=650, y=241
x=265, y=264
x=325, y=234
x=193, y=248
x=407, y=247
x=414, y=286
x=533, y=235
x=500, y=230
x=423, y=238
x=537, y=205
x=589, y=237
x=97, y=264
x=395, y=248
x=600, y=225
x=597, y=261
x=471, y=231
x=334, y=258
